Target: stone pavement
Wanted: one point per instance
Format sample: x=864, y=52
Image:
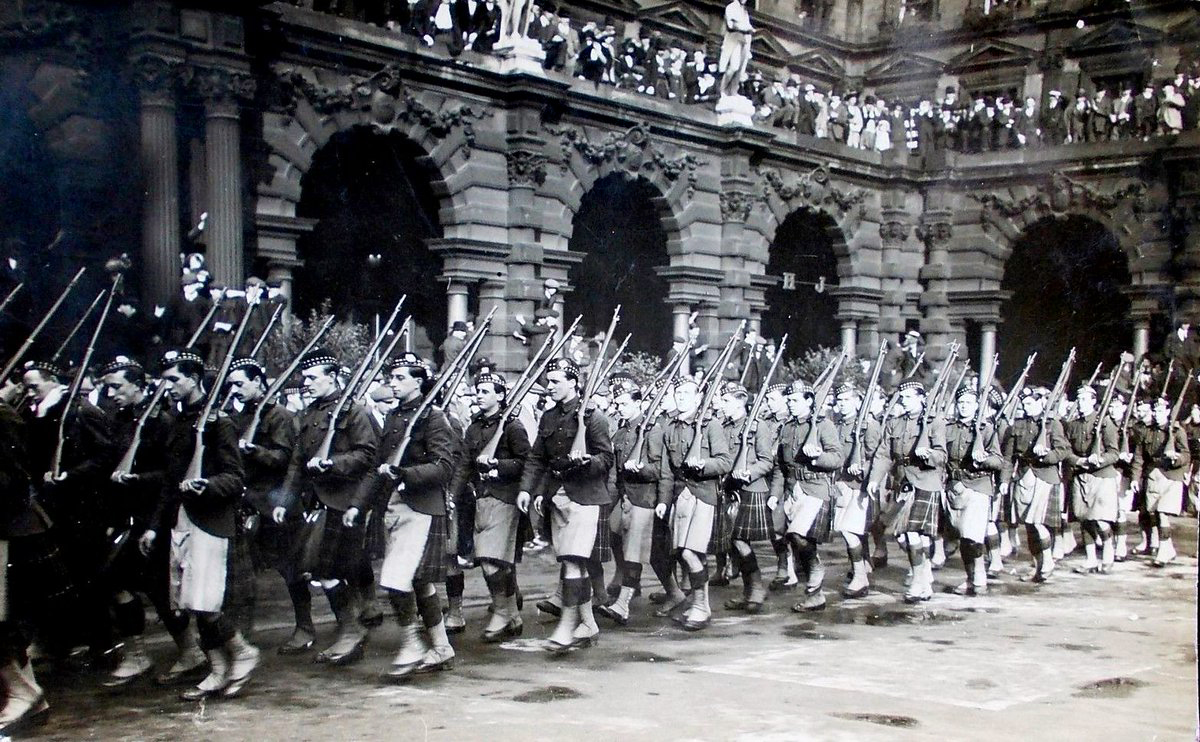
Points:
x=1109, y=657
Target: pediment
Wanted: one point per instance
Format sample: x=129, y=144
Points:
x=905, y=66
x=819, y=64
x=1114, y=35
x=679, y=14
x=765, y=44
x=990, y=53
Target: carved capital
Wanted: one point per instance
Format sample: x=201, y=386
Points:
x=891, y=231
x=632, y=150
x=222, y=87
x=935, y=228
x=156, y=77
x=737, y=205
x=526, y=167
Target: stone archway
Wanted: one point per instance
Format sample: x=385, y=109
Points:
x=802, y=271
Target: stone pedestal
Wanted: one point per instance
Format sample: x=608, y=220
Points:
x=735, y=110
x=520, y=55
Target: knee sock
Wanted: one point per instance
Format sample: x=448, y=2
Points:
x=631, y=575
x=749, y=564
x=404, y=604
x=455, y=586
x=301, y=605
x=595, y=571
x=130, y=618
x=430, y=608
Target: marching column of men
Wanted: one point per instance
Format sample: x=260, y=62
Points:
x=689, y=468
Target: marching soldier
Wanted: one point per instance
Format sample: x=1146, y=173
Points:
x=1095, y=483
x=750, y=490
x=855, y=510
x=495, y=483
x=919, y=455
x=321, y=485
x=1035, y=480
x=416, y=518
x=199, y=516
x=688, y=492
x=808, y=460
x=973, y=461
x=569, y=488
x=1162, y=461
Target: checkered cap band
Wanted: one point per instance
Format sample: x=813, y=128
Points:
x=799, y=387
x=565, y=366
x=121, y=363
x=914, y=385
x=172, y=357
x=241, y=364
x=46, y=367
x=495, y=380
x=407, y=360
x=848, y=389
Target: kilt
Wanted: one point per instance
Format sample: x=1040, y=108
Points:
x=575, y=528
x=1163, y=495
x=271, y=545
x=241, y=588
x=637, y=532
x=752, y=523
x=721, y=539
x=199, y=567
x=1033, y=500
x=38, y=583
x=376, y=540
x=778, y=519
x=808, y=516
x=969, y=513
x=341, y=548
x=1095, y=498
x=692, y=523
x=853, y=511
x=496, y=524
x=435, y=559
x=1124, y=498
x=416, y=548
x=602, y=548
x=918, y=513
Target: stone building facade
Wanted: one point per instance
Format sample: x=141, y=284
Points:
x=223, y=107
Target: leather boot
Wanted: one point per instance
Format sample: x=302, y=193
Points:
x=758, y=593
x=243, y=659
x=215, y=682
x=26, y=705
x=347, y=648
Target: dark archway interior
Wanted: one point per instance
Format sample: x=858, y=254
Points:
x=371, y=195
x=619, y=230
x=1066, y=277
x=802, y=248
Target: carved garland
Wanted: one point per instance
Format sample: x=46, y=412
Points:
x=737, y=205
x=1060, y=196
x=526, y=167
x=815, y=189
x=383, y=97
x=631, y=151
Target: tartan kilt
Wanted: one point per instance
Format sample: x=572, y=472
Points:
x=918, y=513
x=822, y=526
x=377, y=538
x=721, y=540
x=602, y=548
x=752, y=523
x=241, y=588
x=435, y=559
x=341, y=548
x=1055, y=515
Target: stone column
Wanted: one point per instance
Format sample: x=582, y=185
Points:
x=156, y=78
x=850, y=337
x=987, y=346
x=893, y=233
x=679, y=324
x=935, y=230
x=495, y=345
x=870, y=336
x=456, y=303
x=1141, y=337
x=222, y=91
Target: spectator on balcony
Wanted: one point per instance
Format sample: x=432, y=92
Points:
x=806, y=111
x=883, y=127
x=1191, y=109
x=938, y=136
x=1053, y=122
x=821, y=123
x=1026, y=124
x=979, y=126
x=897, y=125
x=870, y=123
x=1122, y=116
x=690, y=75
x=1145, y=113
x=562, y=48
x=1100, y=124
x=1170, y=109
x=1079, y=117
x=837, y=118
x=854, y=121
x=953, y=116
x=924, y=129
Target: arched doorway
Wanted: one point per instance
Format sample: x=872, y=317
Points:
x=370, y=193
x=619, y=230
x=800, y=303
x=1066, y=277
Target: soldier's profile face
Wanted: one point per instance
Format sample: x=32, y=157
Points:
x=799, y=405
x=776, y=403
x=486, y=396
x=967, y=405
x=1086, y=404
x=1162, y=413
x=243, y=388
x=317, y=382
x=687, y=397
x=37, y=384
x=1032, y=405
x=180, y=386
x=846, y=404
x=912, y=401
x=120, y=390
x=559, y=385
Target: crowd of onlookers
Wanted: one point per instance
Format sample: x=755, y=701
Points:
x=654, y=65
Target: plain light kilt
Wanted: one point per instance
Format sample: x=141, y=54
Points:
x=199, y=567
x=574, y=527
x=342, y=548
x=917, y=512
x=752, y=523
x=969, y=513
x=637, y=532
x=496, y=524
x=1096, y=498
x=1163, y=495
x=1035, y=502
x=808, y=516
x=854, y=508
x=692, y=523
x=416, y=550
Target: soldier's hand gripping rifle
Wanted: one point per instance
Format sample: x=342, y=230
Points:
x=524, y=382
x=579, y=452
x=195, y=470
x=693, y=458
x=856, y=464
x=934, y=401
x=326, y=447
x=741, y=464
x=811, y=447
x=1110, y=389
x=1041, y=445
x=77, y=382
x=637, y=456
x=281, y=381
x=25, y=346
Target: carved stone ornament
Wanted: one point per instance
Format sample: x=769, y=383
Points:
x=526, y=167
x=935, y=228
x=814, y=189
x=217, y=85
x=155, y=74
x=737, y=205
x=632, y=151
x=381, y=97
x=893, y=231
x=1061, y=196
x=39, y=23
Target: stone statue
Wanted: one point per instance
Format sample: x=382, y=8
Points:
x=735, y=47
x=514, y=20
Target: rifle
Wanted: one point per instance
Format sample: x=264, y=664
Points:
x=463, y=359
x=62, y=347
x=579, y=444
x=281, y=381
x=262, y=339
x=1060, y=386
x=377, y=366
x=608, y=368
x=1135, y=379
x=524, y=382
x=1110, y=389
x=1095, y=374
x=208, y=317
x=978, y=447
x=667, y=377
x=860, y=421
x=11, y=295
x=710, y=391
x=916, y=365
x=1169, y=448
x=77, y=382
x=1009, y=406
x=1167, y=378
x=812, y=439
x=935, y=399
x=323, y=450
x=195, y=468
x=742, y=462
x=722, y=360
x=461, y=369
x=948, y=399
x=25, y=346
